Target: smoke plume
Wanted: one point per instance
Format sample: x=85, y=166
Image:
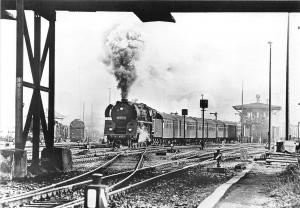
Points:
x=123, y=50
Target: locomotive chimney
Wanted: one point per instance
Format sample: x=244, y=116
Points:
x=124, y=100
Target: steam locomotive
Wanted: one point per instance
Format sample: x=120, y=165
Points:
x=128, y=122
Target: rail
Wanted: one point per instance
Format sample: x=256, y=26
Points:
x=137, y=167
x=64, y=186
x=54, y=187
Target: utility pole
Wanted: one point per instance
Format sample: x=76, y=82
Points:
x=270, y=105
x=83, y=112
x=92, y=126
x=242, y=113
x=202, y=119
x=287, y=119
x=298, y=131
x=298, y=127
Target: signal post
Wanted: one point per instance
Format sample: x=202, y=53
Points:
x=184, y=112
x=203, y=105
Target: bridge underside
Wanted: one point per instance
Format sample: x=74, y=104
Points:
x=146, y=10
x=162, y=5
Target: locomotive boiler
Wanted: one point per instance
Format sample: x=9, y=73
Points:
x=128, y=122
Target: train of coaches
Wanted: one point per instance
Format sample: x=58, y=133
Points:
x=75, y=132
x=128, y=122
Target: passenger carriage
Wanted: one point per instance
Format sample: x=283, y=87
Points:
x=190, y=130
x=199, y=126
x=210, y=130
x=167, y=131
x=125, y=120
x=233, y=131
x=220, y=130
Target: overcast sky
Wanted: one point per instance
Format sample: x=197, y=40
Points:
x=202, y=53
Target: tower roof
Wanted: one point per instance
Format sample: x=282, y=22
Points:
x=256, y=105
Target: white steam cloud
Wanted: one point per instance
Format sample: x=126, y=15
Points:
x=143, y=134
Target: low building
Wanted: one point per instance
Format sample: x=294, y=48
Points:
x=255, y=121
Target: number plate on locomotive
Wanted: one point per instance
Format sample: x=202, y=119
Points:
x=121, y=117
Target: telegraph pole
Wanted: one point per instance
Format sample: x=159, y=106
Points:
x=242, y=113
x=298, y=127
x=270, y=105
x=287, y=119
x=202, y=118
x=91, y=127
x=83, y=112
x=298, y=131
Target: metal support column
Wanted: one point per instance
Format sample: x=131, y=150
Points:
x=36, y=114
x=19, y=76
x=51, y=100
x=37, y=100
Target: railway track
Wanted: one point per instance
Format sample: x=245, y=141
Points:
x=41, y=197
x=69, y=193
x=115, y=167
x=117, y=183
x=149, y=175
x=170, y=170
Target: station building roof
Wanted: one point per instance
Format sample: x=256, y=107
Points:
x=219, y=122
x=256, y=106
x=210, y=121
x=189, y=119
x=166, y=116
x=231, y=123
x=199, y=120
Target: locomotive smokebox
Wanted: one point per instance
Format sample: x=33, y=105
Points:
x=124, y=100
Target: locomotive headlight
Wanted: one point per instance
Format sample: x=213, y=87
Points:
x=110, y=129
x=129, y=130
